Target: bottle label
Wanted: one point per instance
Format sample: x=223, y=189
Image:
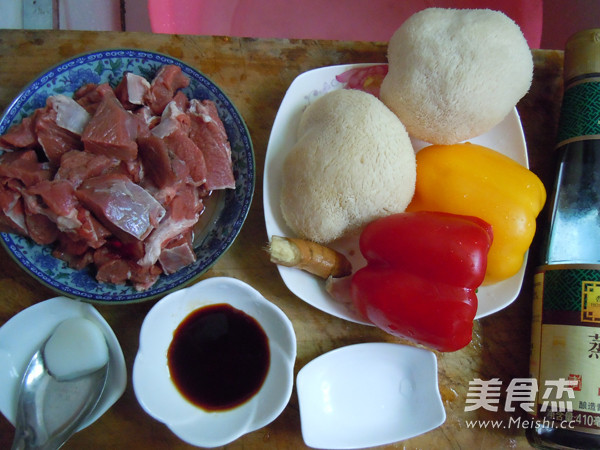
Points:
x=580, y=112
x=565, y=346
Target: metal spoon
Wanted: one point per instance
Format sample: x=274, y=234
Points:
x=50, y=411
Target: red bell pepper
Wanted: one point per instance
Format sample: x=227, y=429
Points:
x=422, y=272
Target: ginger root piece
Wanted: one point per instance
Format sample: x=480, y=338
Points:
x=309, y=256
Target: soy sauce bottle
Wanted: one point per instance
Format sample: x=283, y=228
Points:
x=566, y=307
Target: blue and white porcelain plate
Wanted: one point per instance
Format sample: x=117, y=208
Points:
x=228, y=215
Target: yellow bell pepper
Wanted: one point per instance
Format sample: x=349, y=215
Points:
x=477, y=181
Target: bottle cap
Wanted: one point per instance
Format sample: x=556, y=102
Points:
x=582, y=53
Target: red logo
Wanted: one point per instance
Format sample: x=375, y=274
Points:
x=577, y=378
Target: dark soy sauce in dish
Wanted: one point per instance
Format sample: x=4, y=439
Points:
x=219, y=357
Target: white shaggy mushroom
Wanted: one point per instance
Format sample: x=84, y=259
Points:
x=353, y=162
x=455, y=74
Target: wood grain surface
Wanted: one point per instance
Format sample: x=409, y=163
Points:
x=255, y=74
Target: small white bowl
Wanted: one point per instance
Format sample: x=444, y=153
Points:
x=158, y=395
x=366, y=395
x=23, y=334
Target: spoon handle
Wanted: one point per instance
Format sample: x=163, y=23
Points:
x=20, y=440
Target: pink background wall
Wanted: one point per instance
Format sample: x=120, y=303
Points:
x=565, y=17
x=561, y=18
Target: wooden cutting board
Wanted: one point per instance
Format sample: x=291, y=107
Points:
x=255, y=74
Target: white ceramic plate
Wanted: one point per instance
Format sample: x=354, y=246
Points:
x=366, y=395
x=159, y=397
x=22, y=336
x=507, y=138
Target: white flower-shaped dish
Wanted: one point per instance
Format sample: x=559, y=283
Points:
x=370, y=394
x=507, y=138
x=22, y=336
x=158, y=395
